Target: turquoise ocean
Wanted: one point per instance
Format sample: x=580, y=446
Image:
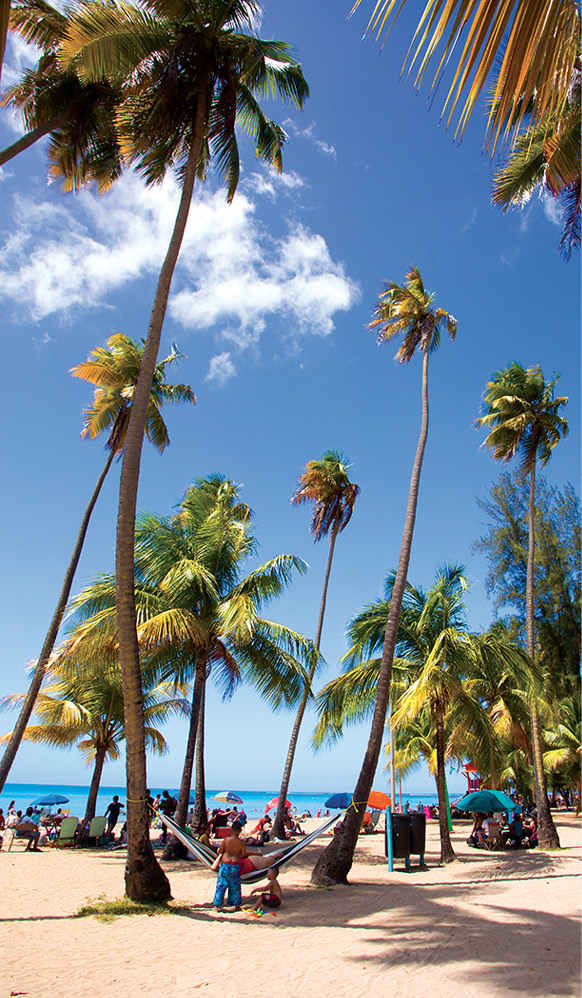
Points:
x=254, y=801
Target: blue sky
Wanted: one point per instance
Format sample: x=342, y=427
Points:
x=270, y=303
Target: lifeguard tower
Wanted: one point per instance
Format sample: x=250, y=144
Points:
x=473, y=777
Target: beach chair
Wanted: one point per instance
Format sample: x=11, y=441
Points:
x=66, y=836
x=494, y=840
x=11, y=836
x=96, y=833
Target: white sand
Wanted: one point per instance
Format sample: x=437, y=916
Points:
x=489, y=924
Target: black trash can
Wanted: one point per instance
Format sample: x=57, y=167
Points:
x=401, y=836
x=417, y=833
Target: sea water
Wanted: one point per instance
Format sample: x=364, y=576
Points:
x=254, y=801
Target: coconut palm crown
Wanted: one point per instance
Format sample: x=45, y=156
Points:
x=114, y=370
x=79, y=116
x=523, y=418
x=325, y=483
x=191, y=71
x=407, y=309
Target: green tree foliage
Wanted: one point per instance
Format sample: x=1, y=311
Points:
x=114, y=370
x=557, y=572
x=83, y=708
x=78, y=116
x=199, y=613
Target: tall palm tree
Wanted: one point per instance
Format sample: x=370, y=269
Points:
x=192, y=70
x=4, y=18
x=114, y=370
x=86, y=710
x=523, y=419
x=78, y=116
x=406, y=309
x=198, y=614
x=547, y=156
x=326, y=484
x=530, y=47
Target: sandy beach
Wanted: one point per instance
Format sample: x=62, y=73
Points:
x=489, y=924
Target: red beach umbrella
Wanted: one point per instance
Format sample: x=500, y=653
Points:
x=275, y=803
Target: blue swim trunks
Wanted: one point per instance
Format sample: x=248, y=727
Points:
x=228, y=881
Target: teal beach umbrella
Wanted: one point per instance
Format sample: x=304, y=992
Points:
x=483, y=801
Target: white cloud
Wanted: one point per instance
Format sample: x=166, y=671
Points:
x=69, y=253
x=271, y=183
x=221, y=369
x=470, y=221
x=309, y=133
x=42, y=341
x=552, y=209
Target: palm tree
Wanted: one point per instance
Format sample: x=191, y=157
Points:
x=114, y=370
x=79, y=116
x=523, y=418
x=4, y=18
x=86, y=711
x=192, y=69
x=532, y=49
x=565, y=744
x=547, y=155
x=326, y=484
x=198, y=615
x=405, y=309
x=435, y=692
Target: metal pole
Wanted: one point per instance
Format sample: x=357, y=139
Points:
x=392, y=775
x=389, y=847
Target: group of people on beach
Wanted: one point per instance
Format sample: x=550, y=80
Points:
x=519, y=833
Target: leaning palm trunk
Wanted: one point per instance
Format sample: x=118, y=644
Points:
x=336, y=860
x=175, y=849
x=95, y=783
x=278, y=826
x=447, y=851
x=144, y=878
x=29, y=138
x=49, y=641
x=200, y=819
x=547, y=834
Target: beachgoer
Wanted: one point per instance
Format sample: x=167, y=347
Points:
x=168, y=805
x=231, y=853
x=477, y=836
x=516, y=831
x=2, y=820
x=13, y=818
x=28, y=827
x=113, y=810
x=273, y=896
x=407, y=807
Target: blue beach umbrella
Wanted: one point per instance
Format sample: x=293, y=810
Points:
x=483, y=801
x=49, y=800
x=339, y=801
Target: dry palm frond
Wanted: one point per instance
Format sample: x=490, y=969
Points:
x=537, y=42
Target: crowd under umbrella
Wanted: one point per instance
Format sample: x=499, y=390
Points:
x=486, y=801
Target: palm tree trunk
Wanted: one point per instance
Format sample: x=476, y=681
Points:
x=278, y=827
x=49, y=642
x=27, y=140
x=200, y=820
x=336, y=860
x=95, y=782
x=4, y=18
x=547, y=834
x=144, y=878
x=175, y=849
x=447, y=851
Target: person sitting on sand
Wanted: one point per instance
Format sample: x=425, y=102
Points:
x=273, y=896
x=477, y=836
x=516, y=831
x=13, y=818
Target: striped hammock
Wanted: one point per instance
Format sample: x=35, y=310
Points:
x=207, y=855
